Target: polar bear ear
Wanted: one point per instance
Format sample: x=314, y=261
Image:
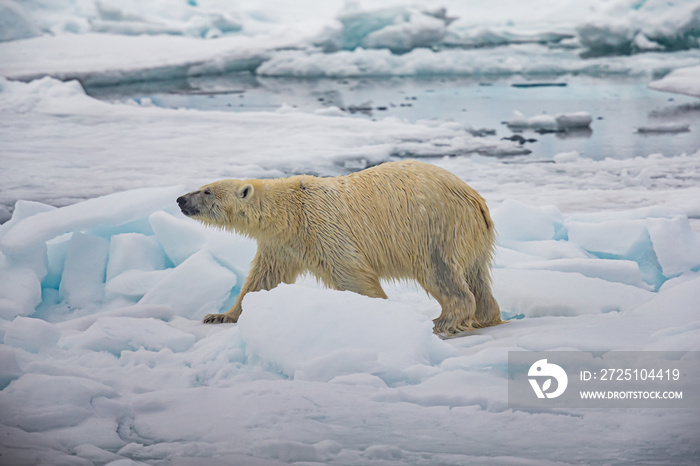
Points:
x=245, y=191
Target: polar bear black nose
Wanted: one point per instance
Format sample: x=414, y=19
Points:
x=186, y=207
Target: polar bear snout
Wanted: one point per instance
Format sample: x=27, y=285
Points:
x=188, y=204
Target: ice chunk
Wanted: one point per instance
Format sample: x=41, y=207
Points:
x=149, y=311
x=448, y=389
x=613, y=36
x=419, y=31
x=198, y=286
x=33, y=257
x=351, y=333
x=525, y=61
x=676, y=246
x=520, y=222
x=538, y=293
x=20, y=289
x=399, y=29
x=289, y=451
x=622, y=271
x=10, y=308
x=384, y=452
x=114, y=209
x=546, y=249
x=135, y=283
x=564, y=157
x=56, y=250
x=679, y=305
x=506, y=257
x=15, y=23
x=520, y=121
x=179, y=237
x=20, y=286
x=24, y=209
x=550, y=123
x=464, y=144
x=231, y=250
x=5, y=214
x=82, y=282
x=32, y=401
x=643, y=44
x=100, y=456
x=622, y=238
x=32, y=334
x=185, y=18
x=646, y=26
x=664, y=128
x=492, y=37
x=631, y=214
x=574, y=120
x=9, y=369
x=134, y=251
x=191, y=18
x=681, y=81
x=117, y=334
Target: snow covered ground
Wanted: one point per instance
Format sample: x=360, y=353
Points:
x=103, y=355
x=103, y=359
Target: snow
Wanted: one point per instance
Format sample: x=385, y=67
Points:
x=681, y=81
x=103, y=357
x=365, y=343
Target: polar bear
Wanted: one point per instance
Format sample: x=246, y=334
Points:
x=398, y=220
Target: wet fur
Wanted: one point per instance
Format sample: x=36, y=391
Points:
x=399, y=220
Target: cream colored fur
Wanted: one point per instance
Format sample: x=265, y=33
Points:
x=399, y=220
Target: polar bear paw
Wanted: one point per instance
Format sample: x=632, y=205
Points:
x=218, y=319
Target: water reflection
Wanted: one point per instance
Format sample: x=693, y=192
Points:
x=618, y=106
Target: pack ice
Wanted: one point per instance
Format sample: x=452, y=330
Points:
x=104, y=359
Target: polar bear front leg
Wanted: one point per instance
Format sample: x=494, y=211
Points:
x=269, y=269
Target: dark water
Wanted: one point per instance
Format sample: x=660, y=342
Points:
x=619, y=106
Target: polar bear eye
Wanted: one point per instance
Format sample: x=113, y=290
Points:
x=207, y=192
